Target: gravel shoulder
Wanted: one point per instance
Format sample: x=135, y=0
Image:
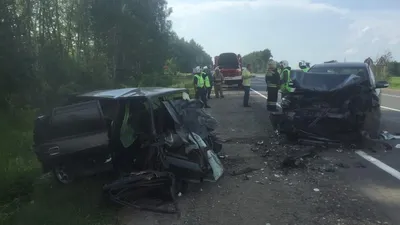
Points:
x=315, y=193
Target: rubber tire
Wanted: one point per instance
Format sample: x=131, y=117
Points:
x=57, y=177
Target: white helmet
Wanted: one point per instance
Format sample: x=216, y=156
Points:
x=302, y=64
x=204, y=68
x=197, y=69
x=284, y=63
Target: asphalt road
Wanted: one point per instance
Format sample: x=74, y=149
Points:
x=380, y=180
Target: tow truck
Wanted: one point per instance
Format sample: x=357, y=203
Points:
x=230, y=65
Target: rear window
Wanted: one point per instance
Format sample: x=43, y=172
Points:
x=228, y=60
x=360, y=71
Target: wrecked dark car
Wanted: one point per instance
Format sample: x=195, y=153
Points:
x=129, y=130
x=331, y=102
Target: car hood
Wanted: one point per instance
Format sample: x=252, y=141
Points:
x=325, y=82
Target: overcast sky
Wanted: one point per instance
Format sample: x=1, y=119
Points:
x=312, y=30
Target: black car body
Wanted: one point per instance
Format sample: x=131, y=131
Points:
x=127, y=130
x=334, y=101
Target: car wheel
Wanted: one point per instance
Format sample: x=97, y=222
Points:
x=372, y=123
x=62, y=175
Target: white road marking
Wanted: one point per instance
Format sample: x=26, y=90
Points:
x=379, y=164
x=394, y=96
x=258, y=93
x=383, y=107
x=263, y=96
x=396, y=110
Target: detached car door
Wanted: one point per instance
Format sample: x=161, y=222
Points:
x=72, y=133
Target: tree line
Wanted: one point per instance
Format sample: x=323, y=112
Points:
x=258, y=60
x=384, y=66
x=51, y=49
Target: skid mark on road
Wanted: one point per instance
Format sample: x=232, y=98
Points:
x=364, y=155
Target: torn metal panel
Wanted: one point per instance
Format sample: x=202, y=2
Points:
x=129, y=190
x=192, y=116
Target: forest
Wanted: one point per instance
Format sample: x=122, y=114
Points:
x=51, y=49
x=258, y=60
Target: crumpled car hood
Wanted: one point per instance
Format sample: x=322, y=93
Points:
x=325, y=82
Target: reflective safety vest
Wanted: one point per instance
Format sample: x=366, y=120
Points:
x=207, y=82
x=200, y=80
x=305, y=69
x=285, y=87
x=246, y=78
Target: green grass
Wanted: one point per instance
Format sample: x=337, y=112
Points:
x=185, y=81
x=28, y=197
x=395, y=83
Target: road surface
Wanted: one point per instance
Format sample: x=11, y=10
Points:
x=380, y=180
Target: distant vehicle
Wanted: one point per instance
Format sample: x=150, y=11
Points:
x=230, y=65
x=333, y=101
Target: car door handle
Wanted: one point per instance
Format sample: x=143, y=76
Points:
x=54, y=150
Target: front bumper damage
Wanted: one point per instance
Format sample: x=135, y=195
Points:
x=327, y=108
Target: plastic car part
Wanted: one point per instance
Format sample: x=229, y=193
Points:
x=129, y=190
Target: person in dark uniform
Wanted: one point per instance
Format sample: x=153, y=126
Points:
x=272, y=78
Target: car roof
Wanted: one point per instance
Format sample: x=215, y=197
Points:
x=142, y=92
x=297, y=70
x=340, y=64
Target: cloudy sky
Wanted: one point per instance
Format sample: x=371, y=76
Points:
x=313, y=30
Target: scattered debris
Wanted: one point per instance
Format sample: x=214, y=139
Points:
x=316, y=189
x=388, y=136
x=343, y=165
x=260, y=142
x=359, y=165
x=245, y=177
x=243, y=171
x=144, y=183
x=297, y=160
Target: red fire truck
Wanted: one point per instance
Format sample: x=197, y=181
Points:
x=230, y=65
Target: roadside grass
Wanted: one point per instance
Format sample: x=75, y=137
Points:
x=394, y=83
x=28, y=197
x=185, y=81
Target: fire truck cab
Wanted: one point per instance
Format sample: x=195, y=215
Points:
x=230, y=65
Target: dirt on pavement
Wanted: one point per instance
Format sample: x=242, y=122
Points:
x=313, y=194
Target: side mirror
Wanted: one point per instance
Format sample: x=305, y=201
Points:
x=382, y=84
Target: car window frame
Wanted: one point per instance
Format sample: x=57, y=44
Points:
x=371, y=76
x=51, y=126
